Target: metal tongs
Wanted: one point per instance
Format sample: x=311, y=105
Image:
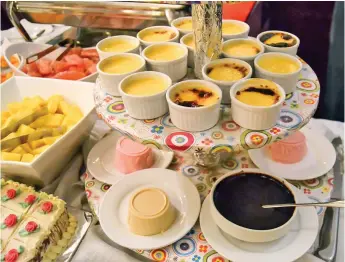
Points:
x=69, y=43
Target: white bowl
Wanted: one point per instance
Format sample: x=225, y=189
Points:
x=152, y=28
x=246, y=234
x=175, y=69
x=292, y=50
x=198, y=118
x=145, y=107
x=243, y=34
x=190, y=60
x=45, y=168
x=286, y=81
x=26, y=49
x=225, y=86
x=110, y=82
x=175, y=22
x=254, y=117
x=248, y=59
x=104, y=54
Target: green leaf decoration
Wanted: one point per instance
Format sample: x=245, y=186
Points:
x=20, y=249
x=2, y=257
x=24, y=205
x=3, y=225
x=23, y=233
x=18, y=191
x=4, y=198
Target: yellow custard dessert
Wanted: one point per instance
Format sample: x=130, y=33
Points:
x=165, y=52
x=145, y=86
x=227, y=72
x=278, y=64
x=194, y=95
x=120, y=65
x=229, y=28
x=241, y=49
x=117, y=45
x=258, y=92
x=278, y=40
x=150, y=212
x=189, y=41
x=157, y=35
x=185, y=24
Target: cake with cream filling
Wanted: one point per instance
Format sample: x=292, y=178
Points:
x=32, y=223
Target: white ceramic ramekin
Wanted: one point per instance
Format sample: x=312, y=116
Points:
x=286, y=81
x=292, y=50
x=110, y=82
x=196, y=118
x=255, y=117
x=246, y=234
x=152, y=28
x=190, y=61
x=226, y=85
x=250, y=40
x=175, y=22
x=103, y=54
x=243, y=34
x=175, y=69
x=145, y=107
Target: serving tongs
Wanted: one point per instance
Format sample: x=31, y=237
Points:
x=69, y=43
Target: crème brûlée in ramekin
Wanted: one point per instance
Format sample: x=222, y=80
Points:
x=241, y=49
x=185, y=24
x=227, y=72
x=234, y=29
x=165, y=52
x=121, y=64
x=158, y=34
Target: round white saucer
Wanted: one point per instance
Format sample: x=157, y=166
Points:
x=286, y=249
x=181, y=193
x=318, y=161
x=101, y=160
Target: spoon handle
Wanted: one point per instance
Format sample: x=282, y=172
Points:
x=339, y=203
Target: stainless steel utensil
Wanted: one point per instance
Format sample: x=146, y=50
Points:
x=329, y=231
x=336, y=203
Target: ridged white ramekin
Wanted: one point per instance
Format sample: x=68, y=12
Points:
x=152, y=28
x=110, y=82
x=243, y=34
x=254, y=117
x=175, y=69
x=145, y=107
x=196, y=118
x=103, y=54
x=286, y=81
x=225, y=85
x=292, y=50
x=190, y=61
x=250, y=40
x=175, y=22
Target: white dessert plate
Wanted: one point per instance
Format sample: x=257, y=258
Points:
x=286, y=249
x=318, y=161
x=101, y=160
x=181, y=193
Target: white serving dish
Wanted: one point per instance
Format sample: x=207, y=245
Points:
x=48, y=165
x=286, y=81
x=110, y=82
x=181, y=192
x=247, y=234
x=168, y=28
x=145, y=107
x=248, y=59
x=103, y=54
x=292, y=246
x=190, y=60
x=292, y=50
x=254, y=117
x=177, y=21
x=243, y=34
x=225, y=86
x=26, y=49
x=175, y=69
x=198, y=118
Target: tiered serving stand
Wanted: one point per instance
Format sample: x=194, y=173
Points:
x=226, y=136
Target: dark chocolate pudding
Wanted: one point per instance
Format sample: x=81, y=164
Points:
x=239, y=198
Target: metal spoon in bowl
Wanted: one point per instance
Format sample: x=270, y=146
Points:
x=337, y=203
